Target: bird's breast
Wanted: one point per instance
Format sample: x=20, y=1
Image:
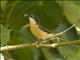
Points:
x=37, y=32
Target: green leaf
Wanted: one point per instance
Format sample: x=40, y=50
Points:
x=5, y=35
x=70, y=52
x=72, y=12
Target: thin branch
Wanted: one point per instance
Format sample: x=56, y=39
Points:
x=61, y=33
x=28, y=45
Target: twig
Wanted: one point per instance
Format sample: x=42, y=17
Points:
x=60, y=33
x=28, y=45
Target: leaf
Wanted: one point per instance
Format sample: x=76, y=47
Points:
x=72, y=12
x=5, y=35
x=70, y=52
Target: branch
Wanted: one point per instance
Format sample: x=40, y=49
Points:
x=28, y=45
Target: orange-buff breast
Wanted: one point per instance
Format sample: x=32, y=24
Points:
x=37, y=32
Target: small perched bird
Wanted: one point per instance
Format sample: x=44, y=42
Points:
x=39, y=32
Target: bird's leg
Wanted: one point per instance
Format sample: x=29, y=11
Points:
x=57, y=39
x=52, y=39
x=38, y=42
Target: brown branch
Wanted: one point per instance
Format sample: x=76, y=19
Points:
x=28, y=45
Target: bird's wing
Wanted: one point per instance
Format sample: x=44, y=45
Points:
x=44, y=29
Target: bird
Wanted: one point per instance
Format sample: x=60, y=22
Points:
x=41, y=33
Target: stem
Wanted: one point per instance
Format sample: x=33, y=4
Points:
x=28, y=45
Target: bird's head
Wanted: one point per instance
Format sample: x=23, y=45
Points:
x=33, y=19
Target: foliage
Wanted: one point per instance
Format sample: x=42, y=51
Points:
x=56, y=16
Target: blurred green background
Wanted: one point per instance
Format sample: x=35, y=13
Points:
x=55, y=16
